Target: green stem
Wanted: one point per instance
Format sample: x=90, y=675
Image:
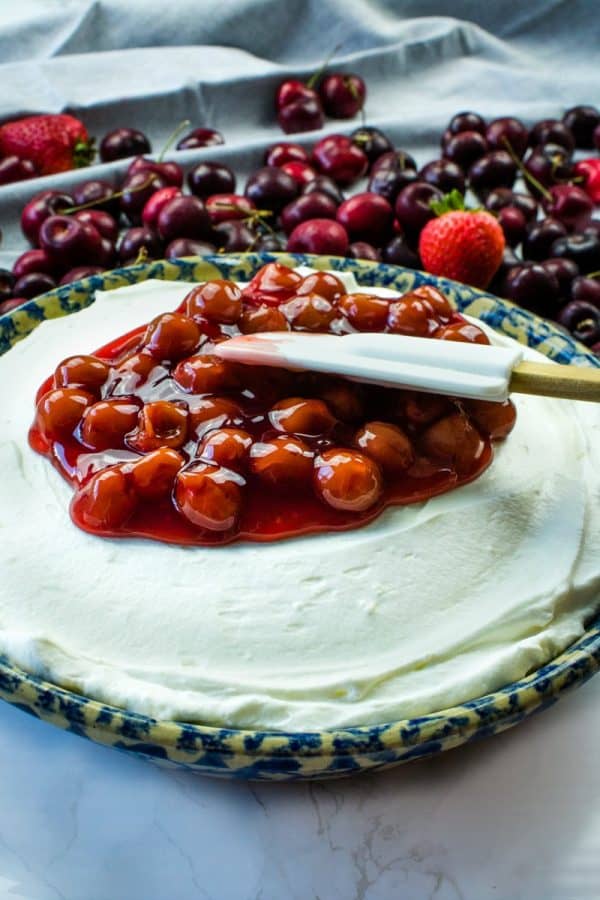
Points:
x=315, y=77
x=74, y=209
x=526, y=175
x=173, y=137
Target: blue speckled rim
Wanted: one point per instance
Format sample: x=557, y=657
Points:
x=282, y=755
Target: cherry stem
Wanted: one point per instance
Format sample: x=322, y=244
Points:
x=526, y=175
x=172, y=138
x=593, y=274
x=75, y=209
x=314, y=78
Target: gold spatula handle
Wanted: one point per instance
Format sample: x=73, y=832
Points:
x=569, y=382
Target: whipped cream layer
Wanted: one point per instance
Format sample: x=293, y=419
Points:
x=428, y=606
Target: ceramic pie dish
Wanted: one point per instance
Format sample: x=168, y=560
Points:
x=318, y=754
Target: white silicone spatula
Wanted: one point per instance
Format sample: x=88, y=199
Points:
x=479, y=371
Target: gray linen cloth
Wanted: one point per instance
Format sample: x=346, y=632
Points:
x=150, y=64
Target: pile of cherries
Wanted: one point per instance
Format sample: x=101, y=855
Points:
x=300, y=107
x=162, y=438
x=295, y=201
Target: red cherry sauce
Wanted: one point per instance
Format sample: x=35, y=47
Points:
x=267, y=513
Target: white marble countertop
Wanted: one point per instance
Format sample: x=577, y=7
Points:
x=514, y=817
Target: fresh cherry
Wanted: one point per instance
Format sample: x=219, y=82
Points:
x=184, y=217
x=14, y=169
x=137, y=190
x=533, y=287
x=413, y=206
x=551, y=131
x=99, y=193
x=540, y=236
x=39, y=208
x=34, y=261
x=33, y=284
x=549, y=165
x=305, y=207
x=155, y=203
x=443, y=174
x=321, y=236
x=234, y=236
x=372, y=142
x=170, y=172
x=507, y=132
x=581, y=121
x=226, y=207
x=283, y=152
x=305, y=114
x=587, y=289
x=513, y=224
x=366, y=216
x=68, y=241
x=337, y=157
x=564, y=270
x=80, y=272
x=291, y=90
x=493, y=170
x=123, y=142
x=7, y=306
x=466, y=121
x=363, y=250
x=570, y=205
x=301, y=172
x=211, y=178
x=582, y=249
x=104, y=223
x=501, y=197
x=200, y=137
x=583, y=321
x=464, y=148
x=399, y=253
x=342, y=95
x=324, y=185
x=136, y=240
x=187, y=247
x=270, y=188
x=7, y=280
x=388, y=182
x=398, y=160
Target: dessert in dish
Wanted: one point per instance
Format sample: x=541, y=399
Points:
x=430, y=604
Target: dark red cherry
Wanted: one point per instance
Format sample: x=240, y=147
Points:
x=307, y=206
x=337, y=157
x=39, y=208
x=320, y=236
x=507, y=133
x=443, y=174
x=581, y=121
x=413, y=206
x=464, y=148
x=14, y=169
x=200, y=137
x=342, y=95
x=366, y=217
x=373, y=142
x=305, y=114
x=466, y=121
x=123, y=142
x=283, y=152
x=211, y=178
x=184, y=217
x=583, y=321
x=270, y=188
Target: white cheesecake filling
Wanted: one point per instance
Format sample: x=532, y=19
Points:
x=428, y=606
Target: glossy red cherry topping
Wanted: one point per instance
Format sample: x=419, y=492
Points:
x=163, y=439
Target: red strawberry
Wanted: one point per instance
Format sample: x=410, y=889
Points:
x=465, y=245
x=54, y=143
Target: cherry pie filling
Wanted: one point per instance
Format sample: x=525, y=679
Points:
x=162, y=439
